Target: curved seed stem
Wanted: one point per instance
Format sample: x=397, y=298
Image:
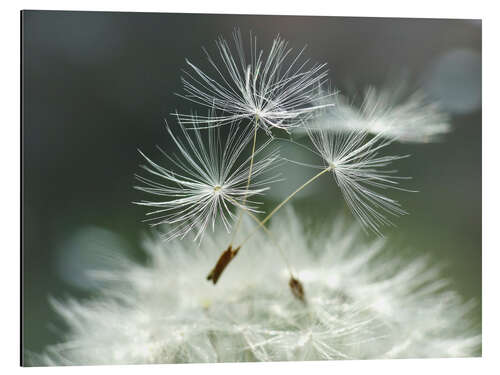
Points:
x=264, y=221
x=271, y=237
x=238, y=222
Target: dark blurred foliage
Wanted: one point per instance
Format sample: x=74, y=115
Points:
x=98, y=85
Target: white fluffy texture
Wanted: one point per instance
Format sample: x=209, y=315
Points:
x=361, y=174
x=391, y=111
x=211, y=179
x=277, y=88
x=361, y=303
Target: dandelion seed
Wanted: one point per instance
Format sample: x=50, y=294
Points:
x=357, y=168
x=211, y=182
x=276, y=91
x=222, y=263
x=363, y=302
x=297, y=288
x=394, y=112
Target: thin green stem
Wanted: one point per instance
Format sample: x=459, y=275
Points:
x=266, y=219
x=268, y=232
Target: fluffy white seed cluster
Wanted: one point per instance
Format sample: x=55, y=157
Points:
x=361, y=174
x=361, y=302
x=276, y=89
x=394, y=111
x=210, y=181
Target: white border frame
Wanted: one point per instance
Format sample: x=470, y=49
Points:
x=10, y=156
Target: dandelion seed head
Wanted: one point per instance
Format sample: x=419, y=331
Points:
x=358, y=170
x=394, y=112
x=211, y=181
x=362, y=302
x=274, y=90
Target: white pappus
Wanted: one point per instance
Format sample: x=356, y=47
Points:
x=277, y=90
x=210, y=182
x=358, y=168
x=394, y=111
x=362, y=302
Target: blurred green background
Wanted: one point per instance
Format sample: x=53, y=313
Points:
x=98, y=85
